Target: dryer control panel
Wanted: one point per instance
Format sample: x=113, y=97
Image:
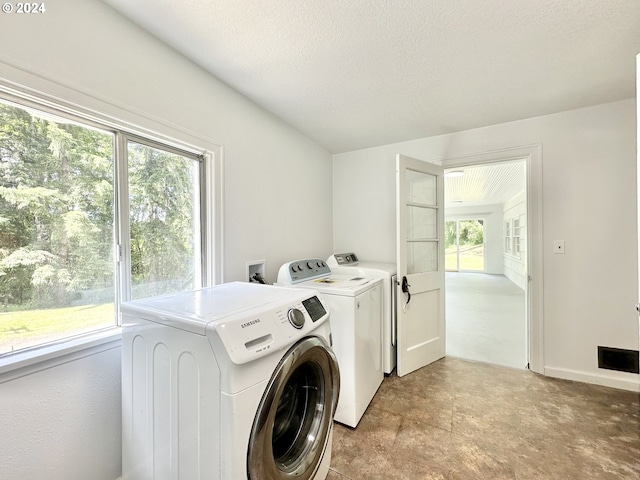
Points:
x=341, y=259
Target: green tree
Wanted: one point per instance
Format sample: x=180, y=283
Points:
x=471, y=232
x=57, y=211
x=161, y=218
x=56, y=208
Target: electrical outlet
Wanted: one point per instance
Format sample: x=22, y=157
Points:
x=558, y=246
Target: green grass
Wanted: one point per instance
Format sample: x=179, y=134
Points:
x=471, y=258
x=26, y=328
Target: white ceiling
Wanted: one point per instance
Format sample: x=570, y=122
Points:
x=352, y=74
x=493, y=184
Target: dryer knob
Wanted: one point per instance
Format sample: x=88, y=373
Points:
x=310, y=264
x=296, y=318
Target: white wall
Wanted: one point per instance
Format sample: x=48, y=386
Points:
x=364, y=217
x=492, y=216
x=277, y=194
x=515, y=266
x=589, y=175
x=64, y=423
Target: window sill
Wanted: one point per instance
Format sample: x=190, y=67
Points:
x=25, y=363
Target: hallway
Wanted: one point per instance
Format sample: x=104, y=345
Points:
x=486, y=320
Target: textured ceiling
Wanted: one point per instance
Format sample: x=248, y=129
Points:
x=493, y=184
x=352, y=74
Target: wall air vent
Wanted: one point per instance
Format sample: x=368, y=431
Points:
x=618, y=359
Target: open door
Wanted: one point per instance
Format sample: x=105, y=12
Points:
x=420, y=259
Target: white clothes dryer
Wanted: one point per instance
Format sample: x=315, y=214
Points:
x=236, y=381
x=348, y=264
x=355, y=304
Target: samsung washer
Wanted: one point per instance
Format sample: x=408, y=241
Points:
x=231, y=382
x=355, y=304
x=348, y=264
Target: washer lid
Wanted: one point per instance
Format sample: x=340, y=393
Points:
x=194, y=309
x=347, y=285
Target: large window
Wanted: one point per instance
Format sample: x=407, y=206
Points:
x=90, y=216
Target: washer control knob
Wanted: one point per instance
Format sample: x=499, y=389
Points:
x=296, y=318
x=310, y=264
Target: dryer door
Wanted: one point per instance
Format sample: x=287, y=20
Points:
x=293, y=423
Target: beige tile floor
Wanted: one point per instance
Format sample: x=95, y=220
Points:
x=457, y=419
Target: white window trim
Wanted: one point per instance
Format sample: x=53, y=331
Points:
x=28, y=361
x=508, y=237
x=511, y=239
x=78, y=104
x=516, y=235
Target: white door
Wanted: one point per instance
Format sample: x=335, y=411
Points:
x=420, y=259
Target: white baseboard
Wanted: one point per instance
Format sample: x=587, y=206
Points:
x=631, y=382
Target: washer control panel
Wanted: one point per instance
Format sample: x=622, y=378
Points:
x=246, y=337
x=302, y=270
x=296, y=318
x=314, y=308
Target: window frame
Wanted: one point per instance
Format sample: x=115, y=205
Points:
x=209, y=155
x=121, y=200
x=507, y=236
x=516, y=236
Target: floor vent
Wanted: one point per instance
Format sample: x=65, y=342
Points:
x=618, y=359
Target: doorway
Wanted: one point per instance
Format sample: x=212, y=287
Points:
x=486, y=262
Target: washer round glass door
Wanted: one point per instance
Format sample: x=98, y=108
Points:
x=294, y=419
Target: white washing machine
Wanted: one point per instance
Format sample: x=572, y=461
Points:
x=236, y=381
x=348, y=264
x=355, y=304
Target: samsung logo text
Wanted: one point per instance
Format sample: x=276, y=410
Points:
x=252, y=322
